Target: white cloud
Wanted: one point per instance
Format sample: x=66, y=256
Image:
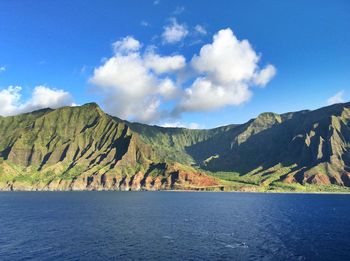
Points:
x=227, y=59
x=228, y=68
x=174, y=32
x=204, y=95
x=127, y=44
x=8, y=99
x=42, y=97
x=265, y=75
x=124, y=81
x=168, y=89
x=2, y=69
x=141, y=85
x=130, y=84
x=45, y=97
x=200, y=29
x=178, y=124
x=336, y=98
x=149, y=112
x=162, y=64
x=127, y=72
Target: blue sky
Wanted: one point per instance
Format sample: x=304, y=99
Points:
x=55, y=53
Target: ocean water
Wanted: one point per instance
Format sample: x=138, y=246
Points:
x=173, y=226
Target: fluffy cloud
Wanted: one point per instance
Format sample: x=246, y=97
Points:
x=130, y=83
x=165, y=64
x=126, y=73
x=228, y=68
x=136, y=83
x=174, y=32
x=2, y=69
x=204, y=95
x=8, y=99
x=126, y=84
x=127, y=44
x=336, y=98
x=262, y=77
x=168, y=89
x=227, y=59
x=42, y=97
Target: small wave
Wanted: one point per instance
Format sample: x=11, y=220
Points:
x=237, y=245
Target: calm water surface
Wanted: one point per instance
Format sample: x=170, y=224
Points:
x=173, y=225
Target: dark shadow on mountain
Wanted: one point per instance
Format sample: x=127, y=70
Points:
x=277, y=144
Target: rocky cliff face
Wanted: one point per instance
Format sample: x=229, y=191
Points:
x=306, y=147
x=313, y=145
x=82, y=148
x=169, y=179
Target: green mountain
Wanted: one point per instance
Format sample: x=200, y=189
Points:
x=83, y=148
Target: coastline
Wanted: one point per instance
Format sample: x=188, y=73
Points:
x=188, y=191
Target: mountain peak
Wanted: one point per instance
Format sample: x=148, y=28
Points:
x=81, y=147
x=91, y=105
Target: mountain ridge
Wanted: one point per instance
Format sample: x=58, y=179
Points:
x=83, y=148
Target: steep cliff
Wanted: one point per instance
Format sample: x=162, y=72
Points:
x=78, y=148
x=82, y=148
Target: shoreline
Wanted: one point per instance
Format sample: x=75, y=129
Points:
x=190, y=191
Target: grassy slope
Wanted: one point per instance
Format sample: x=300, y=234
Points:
x=259, y=155
x=309, y=147
x=178, y=144
x=64, y=143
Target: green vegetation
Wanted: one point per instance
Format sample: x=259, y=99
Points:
x=82, y=146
